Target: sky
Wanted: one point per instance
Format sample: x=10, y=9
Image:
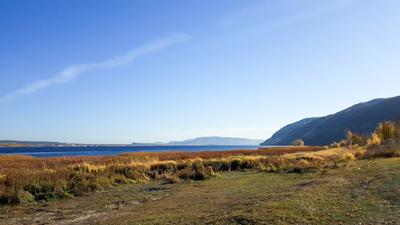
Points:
x=124, y=71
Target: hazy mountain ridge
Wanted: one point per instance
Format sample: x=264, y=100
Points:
x=13, y=143
x=360, y=118
x=216, y=141
x=27, y=142
x=195, y=141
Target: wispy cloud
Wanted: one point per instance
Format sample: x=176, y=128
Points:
x=270, y=15
x=73, y=71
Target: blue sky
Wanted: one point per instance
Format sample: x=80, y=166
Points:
x=123, y=71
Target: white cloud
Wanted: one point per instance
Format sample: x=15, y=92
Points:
x=265, y=13
x=73, y=71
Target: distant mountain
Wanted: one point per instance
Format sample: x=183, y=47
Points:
x=361, y=118
x=12, y=143
x=216, y=141
x=147, y=144
x=28, y=143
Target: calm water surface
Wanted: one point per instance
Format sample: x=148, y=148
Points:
x=108, y=150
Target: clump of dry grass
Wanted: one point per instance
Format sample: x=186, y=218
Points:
x=388, y=150
x=25, y=179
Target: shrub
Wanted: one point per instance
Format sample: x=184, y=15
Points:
x=44, y=191
x=218, y=164
x=197, y=171
x=185, y=174
x=163, y=167
x=182, y=165
x=386, y=130
x=379, y=152
x=335, y=145
x=298, y=142
x=374, y=139
x=359, y=154
x=251, y=163
x=10, y=198
x=79, y=184
x=349, y=138
x=389, y=148
x=359, y=140
x=200, y=172
x=235, y=165
x=132, y=172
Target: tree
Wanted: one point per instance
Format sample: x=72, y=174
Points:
x=386, y=130
x=298, y=142
x=349, y=138
x=374, y=139
x=359, y=140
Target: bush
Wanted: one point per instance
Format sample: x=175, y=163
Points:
x=131, y=172
x=359, y=140
x=9, y=199
x=161, y=168
x=251, y=164
x=379, y=152
x=374, y=139
x=200, y=172
x=218, y=164
x=235, y=165
x=298, y=142
x=197, y=171
x=185, y=174
x=389, y=148
x=44, y=191
x=78, y=184
x=334, y=145
x=386, y=130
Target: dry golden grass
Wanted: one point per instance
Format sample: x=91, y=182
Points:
x=333, y=152
x=24, y=178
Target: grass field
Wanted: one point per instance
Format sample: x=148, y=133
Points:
x=362, y=192
x=28, y=179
